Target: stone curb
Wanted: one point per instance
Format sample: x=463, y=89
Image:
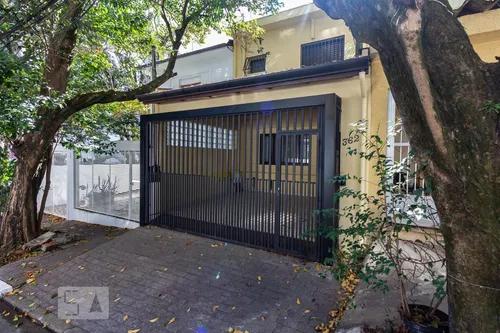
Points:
x=5, y=288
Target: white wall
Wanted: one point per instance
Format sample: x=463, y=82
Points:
x=206, y=67
x=64, y=193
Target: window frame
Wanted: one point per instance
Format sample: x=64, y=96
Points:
x=248, y=63
x=265, y=159
x=391, y=144
x=319, y=42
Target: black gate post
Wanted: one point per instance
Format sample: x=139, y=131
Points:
x=277, y=151
x=144, y=183
x=330, y=162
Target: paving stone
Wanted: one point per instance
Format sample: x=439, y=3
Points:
x=225, y=292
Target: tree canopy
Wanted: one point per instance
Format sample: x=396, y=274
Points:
x=62, y=62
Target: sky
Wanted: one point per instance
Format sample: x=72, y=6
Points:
x=216, y=38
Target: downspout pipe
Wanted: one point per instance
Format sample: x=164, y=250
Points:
x=364, y=116
x=153, y=73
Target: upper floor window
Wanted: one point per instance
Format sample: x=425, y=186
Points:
x=322, y=52
x=255, y=64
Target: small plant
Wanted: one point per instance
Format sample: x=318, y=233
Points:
x=106, y=186
x=377, y=240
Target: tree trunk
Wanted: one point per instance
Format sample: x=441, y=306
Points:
x=21, y=222
x=46, y=189
x=470, y=227
x=441, y=87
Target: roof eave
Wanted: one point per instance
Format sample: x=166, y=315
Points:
x=341, y=69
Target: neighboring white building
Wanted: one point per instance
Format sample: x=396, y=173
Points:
x=207, y=65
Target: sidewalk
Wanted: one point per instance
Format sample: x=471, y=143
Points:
x=165, y=281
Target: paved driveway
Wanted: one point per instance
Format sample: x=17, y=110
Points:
x=165, y=281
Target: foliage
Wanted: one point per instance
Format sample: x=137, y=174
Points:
x=6, y=173
x=113, y=39
x=492, y=107
x=100, y=126
x=62, y=62
x=375, y=242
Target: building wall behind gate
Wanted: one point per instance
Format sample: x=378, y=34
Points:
x=347, y=89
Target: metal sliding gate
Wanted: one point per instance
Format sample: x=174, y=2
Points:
x=258, y=174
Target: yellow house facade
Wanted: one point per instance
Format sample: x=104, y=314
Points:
x=227, y=149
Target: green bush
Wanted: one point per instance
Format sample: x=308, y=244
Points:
x=374, y=243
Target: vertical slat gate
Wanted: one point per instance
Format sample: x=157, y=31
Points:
x=254, y=176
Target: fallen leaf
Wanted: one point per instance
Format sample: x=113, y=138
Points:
x=154, y=320
x=125, y=317
x=30, y=280
x=307, y=311
x=259, y=278
x=171, y=321
x=123, y=269
x=134, y=331
x=298, y=301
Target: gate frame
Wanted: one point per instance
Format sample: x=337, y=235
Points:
x=328, y=147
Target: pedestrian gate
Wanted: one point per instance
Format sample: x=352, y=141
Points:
x=258, y=174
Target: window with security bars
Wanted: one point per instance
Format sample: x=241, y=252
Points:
x=322, y=52
x=295, y=149
x=408, y=177
x=255, y=64
x=181, y=133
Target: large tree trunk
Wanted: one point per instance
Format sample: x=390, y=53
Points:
x=21, y=221
x=441, y=87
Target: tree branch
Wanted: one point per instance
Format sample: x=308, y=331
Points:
x=62, y=44
x=184, y=10
x=36, y=17
x=84, y=101
x=166, y=20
